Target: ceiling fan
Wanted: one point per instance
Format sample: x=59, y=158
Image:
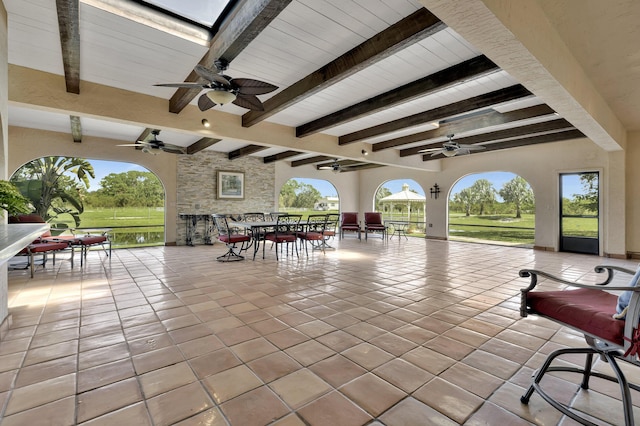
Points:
x=154, y=146
x=223, y=89
x=335, y=166
x=451, y=148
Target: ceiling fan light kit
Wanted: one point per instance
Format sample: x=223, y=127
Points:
x=221, y=95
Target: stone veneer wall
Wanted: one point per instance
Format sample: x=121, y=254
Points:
x=197, y=188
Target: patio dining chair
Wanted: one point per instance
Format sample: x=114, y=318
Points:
x=231, y=238
x=313, y=232
x=373, y=225
x=609, y=323
x=284, y=233
x=349, y=222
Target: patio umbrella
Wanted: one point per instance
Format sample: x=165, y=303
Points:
x=404, y=196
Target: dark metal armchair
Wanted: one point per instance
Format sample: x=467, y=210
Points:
x=590, y=310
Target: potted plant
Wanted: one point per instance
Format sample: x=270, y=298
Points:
x=12, y=200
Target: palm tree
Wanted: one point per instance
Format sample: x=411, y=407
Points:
x=484, y=193
x=54, y=185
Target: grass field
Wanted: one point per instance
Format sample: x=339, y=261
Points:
x=130, y=226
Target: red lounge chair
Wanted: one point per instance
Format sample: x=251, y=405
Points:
x=373, y=224
x=349, y=222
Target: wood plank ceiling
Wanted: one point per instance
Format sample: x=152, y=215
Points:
x=479, y=118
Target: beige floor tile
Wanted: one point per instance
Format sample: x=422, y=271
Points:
x=254, y=408
x=135, y=414
x=253, y=349
x=428, y=360
x=62, y=410
x=165, y=379
x=393, y=344
x=339, y=340
x=200, y=346
x=334, y=409
x=337, y=370
x=46, y=370
x=410, y=411
x=450, y=400
x=471, y=379
x=104, y=374
x=309, y=352
x=492, y=414
x=403, y=374
x=55, y=337
x=315, y=328
x=157, y=359
x=50, y=352
x=367, y=356
x=213, y=362
x=237, y=335
x=286, y=338
x=492, y=364
x=41, y=393
x=178, y=404
x=211, y=417
x=299, y=388
x=372, y=393
x=108, y=398
x=274, y=366
x=231, y=383
x=149, y=344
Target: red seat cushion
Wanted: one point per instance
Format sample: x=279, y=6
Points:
x=585, y=309
x=281, y=238
x=44, y=247
x=350, y=227
x=92, y=239
x=235, y=238
x=311, y=235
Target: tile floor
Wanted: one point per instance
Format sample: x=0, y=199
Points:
x=415, y=332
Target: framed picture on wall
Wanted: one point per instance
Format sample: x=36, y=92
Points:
x=230, y=185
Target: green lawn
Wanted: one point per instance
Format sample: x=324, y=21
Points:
x=130, y=226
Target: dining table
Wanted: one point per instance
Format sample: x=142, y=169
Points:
x=258, y=230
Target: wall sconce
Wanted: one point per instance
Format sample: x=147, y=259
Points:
x=435, y=190
x=206, y=123
x=365, y=152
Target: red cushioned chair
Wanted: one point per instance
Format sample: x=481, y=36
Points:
x=373, y=224
x=349, y=222
x=231, y=238
x=313, y=232
x=285, y=232
x=43, y=246
x=590, y=310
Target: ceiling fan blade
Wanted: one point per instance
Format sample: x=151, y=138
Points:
x=438, y=152
x=204, y=103
x=172, y=149
x=430, y=150
x=473, y=147
x=131, y=144
x=248, y=101
x=211, y=75
x=185, y=85
x=249, y=86
x=463, y=151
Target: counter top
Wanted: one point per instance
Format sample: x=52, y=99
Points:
x=16, y=236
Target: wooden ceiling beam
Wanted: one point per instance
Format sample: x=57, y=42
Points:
x=76, y=128
x=415, y=27
x=310, y=160
x=480, y=121
x=69, y=28
x=531, y=129
x=478, y=102
x=515, y=143
x=245, y=150
x=281, y=156
x=247, y=19
x=472, y=68
x=201, y=144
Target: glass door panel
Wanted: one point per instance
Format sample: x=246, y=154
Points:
x=579, y=212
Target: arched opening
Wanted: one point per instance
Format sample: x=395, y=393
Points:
x=492, y=207
x=75, y=194
x=402, y=201
x=306, y=196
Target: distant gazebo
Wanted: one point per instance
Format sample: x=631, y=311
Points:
x=408, y=198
